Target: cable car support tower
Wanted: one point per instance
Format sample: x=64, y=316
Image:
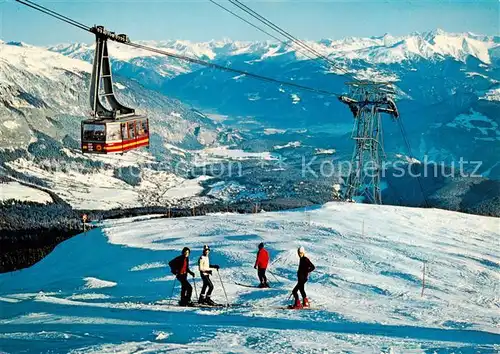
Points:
x=102, y=75
x=367, y=101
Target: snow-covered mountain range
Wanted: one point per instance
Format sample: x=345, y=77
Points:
x=386, y=49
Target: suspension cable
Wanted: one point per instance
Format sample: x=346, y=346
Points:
x=178, y=56
x=228, y=69
x=408, y=146
x=260, y=29
x=287, y=35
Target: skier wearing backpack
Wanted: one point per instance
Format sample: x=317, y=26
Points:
x=205, y=273
x=305, y=267
x=261, y=265
x=180, y=267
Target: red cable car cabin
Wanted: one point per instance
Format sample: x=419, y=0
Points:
x=114, y=127
x=105, y=136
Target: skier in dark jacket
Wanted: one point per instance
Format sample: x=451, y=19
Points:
x=205, y=272
x=180, y=267
x=305, y=267
x=261, y=265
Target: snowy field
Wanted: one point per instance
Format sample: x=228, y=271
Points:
x=17, y=191
x=109, y=291
x=103, y=190
x=223, y=154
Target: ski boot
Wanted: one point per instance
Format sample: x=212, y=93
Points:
x=201, y=300
x=186, y=303
x=305, y=302
x=296, y=305
x=209, y=301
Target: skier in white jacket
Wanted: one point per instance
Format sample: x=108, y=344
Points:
x=205, y=272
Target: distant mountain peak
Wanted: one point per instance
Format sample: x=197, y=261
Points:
x=16, y=44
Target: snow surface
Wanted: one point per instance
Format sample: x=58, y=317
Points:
x=89, y=296
x=467, y=121
x=186, y=189
x=492, y=95
x=292, y=144
x=11, y=124
x=221, y=153
x=325, y=151
x=17, y=191
x=95, y=283
x=366, y=290
x=146, y=266
x=272, y=131
x=38, y=61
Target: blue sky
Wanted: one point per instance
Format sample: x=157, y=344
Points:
x=201, y=20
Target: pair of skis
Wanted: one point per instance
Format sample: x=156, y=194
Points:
x=239, y=305
x=215, y=305
x=219, y=306
x=290, y=307
x=251, y=286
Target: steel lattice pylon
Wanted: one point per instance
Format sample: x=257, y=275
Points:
x=367, y=101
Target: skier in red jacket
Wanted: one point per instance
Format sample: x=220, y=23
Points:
x=261, y=265
x=180, y=267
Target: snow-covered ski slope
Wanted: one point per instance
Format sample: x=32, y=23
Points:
x=107, y=291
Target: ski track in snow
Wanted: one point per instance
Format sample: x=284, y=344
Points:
x=366, y=288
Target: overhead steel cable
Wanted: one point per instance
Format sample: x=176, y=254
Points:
x=228, y=69
x=408, y=146
x=290, y=37
x=178, y=56
x=54, y=14
x=287, y=35
x=260, y=28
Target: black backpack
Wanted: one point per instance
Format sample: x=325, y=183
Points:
x=172, y=265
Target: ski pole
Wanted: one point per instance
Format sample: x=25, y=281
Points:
x=277, y=259
x=195, y=291
x=223, y=288
x=173, y=288
x=274, y=276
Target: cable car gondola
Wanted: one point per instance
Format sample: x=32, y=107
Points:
x=106, y=136
x=114, y=130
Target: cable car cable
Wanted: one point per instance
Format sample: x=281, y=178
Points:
x=237, y=71
x=178, y=56
x=283, y=32
x=286, y=34
x=260, y=28
x=408, y=146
